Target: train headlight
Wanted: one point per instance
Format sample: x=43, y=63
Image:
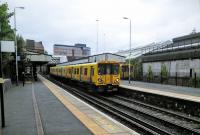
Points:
x=100, y=80
x=117, y=81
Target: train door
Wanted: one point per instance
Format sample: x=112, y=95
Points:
x=62, y=72
x=91, y=73
x=85, y=78
x=72, y=70
x=123, y=70
x=108, y=74
x=81, y=73
x=78, y=74
x=102, y=72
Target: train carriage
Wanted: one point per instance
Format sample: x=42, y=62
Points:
x=124, y=71
x=101, y=76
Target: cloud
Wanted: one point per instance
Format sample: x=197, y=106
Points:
x=73, y=21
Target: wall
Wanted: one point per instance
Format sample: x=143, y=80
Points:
x=182, y=67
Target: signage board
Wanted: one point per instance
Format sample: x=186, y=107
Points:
x=7, y=46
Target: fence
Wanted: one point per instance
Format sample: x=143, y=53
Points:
x=177, y=78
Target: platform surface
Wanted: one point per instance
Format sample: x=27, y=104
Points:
x=55, y=118
x=181, y=92
x=97, y=122
x=42, y=107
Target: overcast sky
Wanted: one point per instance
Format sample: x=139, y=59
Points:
x=74, y=21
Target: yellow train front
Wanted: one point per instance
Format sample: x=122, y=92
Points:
x=100, y=76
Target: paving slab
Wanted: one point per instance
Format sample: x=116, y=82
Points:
x=20, y=116
x=163, y=87
x=96, y=121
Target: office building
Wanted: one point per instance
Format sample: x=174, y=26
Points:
x=72, y=52
x=33, y=46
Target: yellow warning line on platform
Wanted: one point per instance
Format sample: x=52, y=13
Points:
x=90, y=124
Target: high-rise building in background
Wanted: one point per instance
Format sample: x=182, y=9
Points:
x=72, y=52
x=33, y=46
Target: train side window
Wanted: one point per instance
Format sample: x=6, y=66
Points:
x=85, y=71
x=123, y=69
x=115, y=69
x=77, y=70
x=132, y=69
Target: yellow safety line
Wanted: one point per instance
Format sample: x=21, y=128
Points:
x=90, y=124
x=1, y=80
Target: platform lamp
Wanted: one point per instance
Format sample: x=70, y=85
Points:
x=97, y=47
x=15, y=31
x=129, y=62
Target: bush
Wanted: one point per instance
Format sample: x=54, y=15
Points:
x=150, y=73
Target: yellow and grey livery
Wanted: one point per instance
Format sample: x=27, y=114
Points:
x=103, y=76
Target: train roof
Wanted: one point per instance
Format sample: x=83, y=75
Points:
x=84, y=64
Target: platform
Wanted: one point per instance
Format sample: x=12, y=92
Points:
x=42, y=107
x=186, y=93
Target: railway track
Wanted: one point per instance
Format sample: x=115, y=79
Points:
x=156, y=116
x=179, y=115
x=139, y=116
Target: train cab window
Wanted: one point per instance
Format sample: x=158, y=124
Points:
x=101, y=69
x=108, y=69
x=115, y=69
x=85, y=71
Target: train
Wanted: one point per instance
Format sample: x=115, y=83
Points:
x=124, y=71
x=101, y=76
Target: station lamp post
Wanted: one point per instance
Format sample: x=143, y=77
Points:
x=129, y=62
x=15, y=31
x=97, y=47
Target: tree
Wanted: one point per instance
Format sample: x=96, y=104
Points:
x=150, y=73
x=163, y=73
x=6, y=33
x=137, y=68
x=20, y=44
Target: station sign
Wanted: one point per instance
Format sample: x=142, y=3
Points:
x=7, y=46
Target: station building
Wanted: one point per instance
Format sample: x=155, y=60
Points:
x=181, y=58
